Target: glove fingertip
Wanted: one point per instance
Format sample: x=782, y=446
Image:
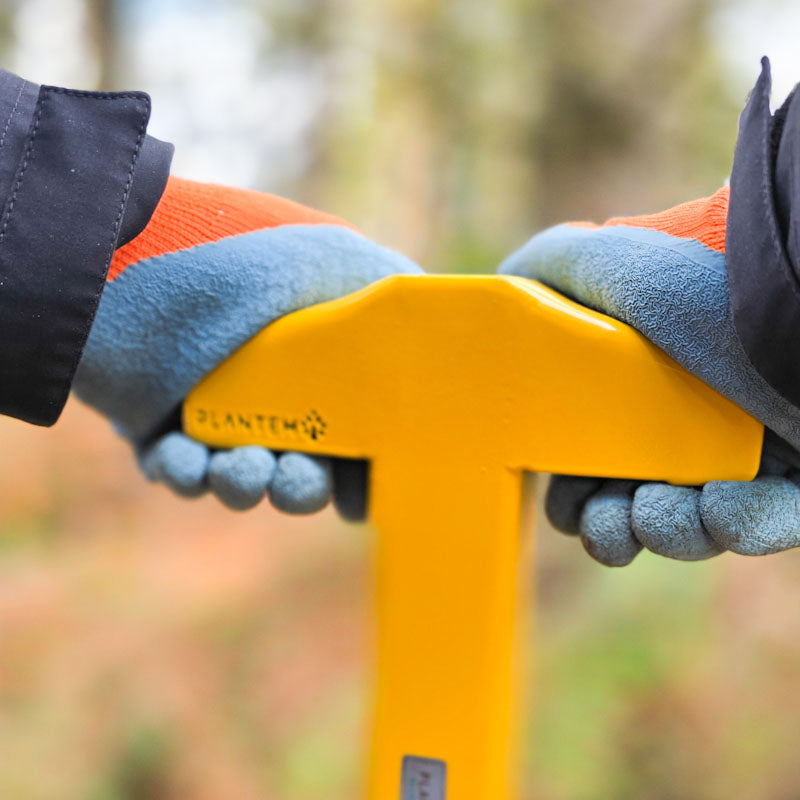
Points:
x=240, y=477
x=666, y=520
x=752, y=518
x=350, y=481
x=565, y=499
x=301, y=484
x=180, y=463
x=606, y=526
x=150, y=464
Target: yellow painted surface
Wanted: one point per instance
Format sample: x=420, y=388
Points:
x=452, y=387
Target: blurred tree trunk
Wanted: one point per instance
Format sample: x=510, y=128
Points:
x=408, y=163
x=106, y=41
x=438, y=175
x=7, y=12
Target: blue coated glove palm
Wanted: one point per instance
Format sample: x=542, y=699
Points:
x=212, y=268
x=665, y=275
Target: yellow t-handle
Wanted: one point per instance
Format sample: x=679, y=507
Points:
x=452, y=387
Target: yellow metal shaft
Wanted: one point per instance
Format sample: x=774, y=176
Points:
x=452, y=387
x=445, y=657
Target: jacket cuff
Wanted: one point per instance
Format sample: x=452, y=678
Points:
x=763, y=238
x=68, y=174
x=149, y=182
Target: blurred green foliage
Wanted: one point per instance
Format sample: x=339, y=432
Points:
x=140, y=769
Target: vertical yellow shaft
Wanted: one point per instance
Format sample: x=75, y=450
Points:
x=446, y=582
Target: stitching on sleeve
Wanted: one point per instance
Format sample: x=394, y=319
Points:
x=145, y=116
x=47, y=90
x=11, y=115
x=128, y=184
x=26, y=159
x=97, y=95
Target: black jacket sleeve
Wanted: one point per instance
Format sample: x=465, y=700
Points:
x=763, y=237
x=78, y=177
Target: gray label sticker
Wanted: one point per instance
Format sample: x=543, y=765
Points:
x=423, y=779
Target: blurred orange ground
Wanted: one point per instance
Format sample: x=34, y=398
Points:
x=176, y=641
x=153, y=648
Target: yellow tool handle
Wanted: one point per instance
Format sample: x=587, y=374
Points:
x=452, y=386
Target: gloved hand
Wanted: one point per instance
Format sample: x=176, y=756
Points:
x=212, y=268
x=664, y=274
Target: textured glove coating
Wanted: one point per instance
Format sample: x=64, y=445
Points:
x=665, y=275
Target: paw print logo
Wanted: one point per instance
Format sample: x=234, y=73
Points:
x=314, y=426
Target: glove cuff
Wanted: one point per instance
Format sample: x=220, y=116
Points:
x=192, y=213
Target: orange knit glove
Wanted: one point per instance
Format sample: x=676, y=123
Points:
x=212, y=268
x=191, y=213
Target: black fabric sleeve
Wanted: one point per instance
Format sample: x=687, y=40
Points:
x=78, y=177
x=763, y=237
x=149, y=180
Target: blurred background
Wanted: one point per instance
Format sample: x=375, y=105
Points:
x=157, y=649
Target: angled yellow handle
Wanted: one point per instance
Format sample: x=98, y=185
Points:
x=452, y=387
